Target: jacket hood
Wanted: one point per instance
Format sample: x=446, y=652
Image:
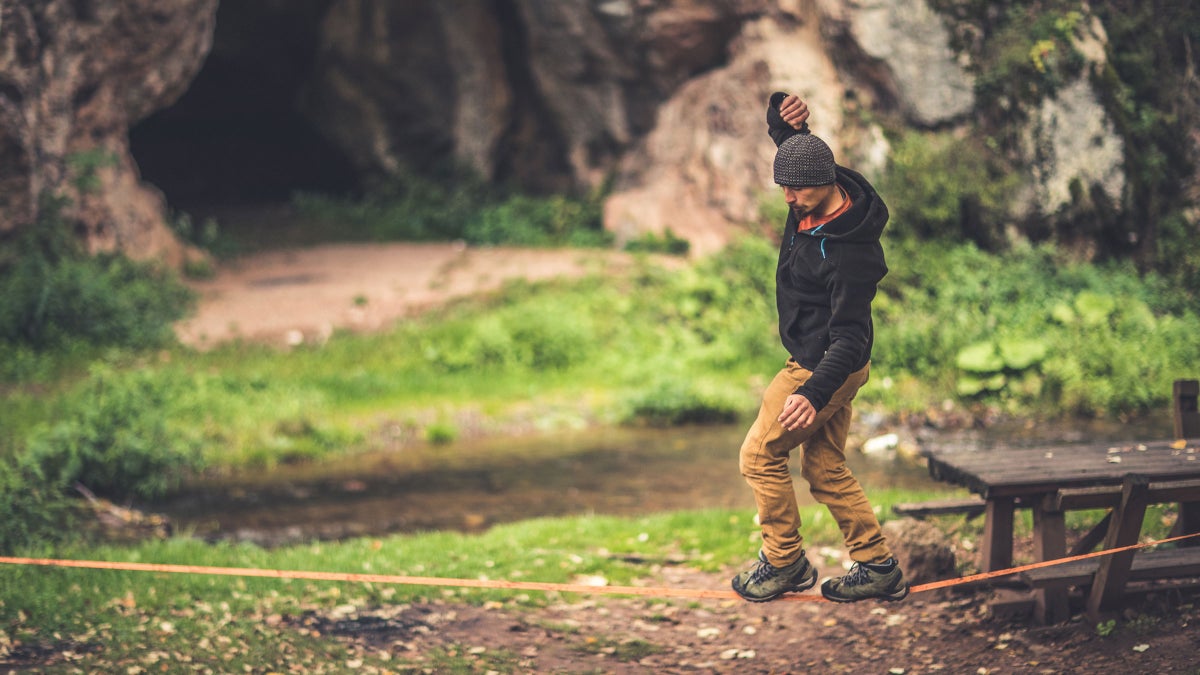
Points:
x=866, y=217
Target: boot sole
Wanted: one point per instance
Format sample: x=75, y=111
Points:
x=798, y=588
x=887, y=597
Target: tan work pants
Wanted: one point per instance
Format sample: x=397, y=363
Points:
x=764, y=463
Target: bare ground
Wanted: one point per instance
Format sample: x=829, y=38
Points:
x=934, y=632
x=304, y=294
x=286, y=297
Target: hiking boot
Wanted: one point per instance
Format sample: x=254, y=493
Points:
x=766, y=582
x=881, y=581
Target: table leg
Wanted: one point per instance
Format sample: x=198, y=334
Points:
x=1187, y=523
x=1050, y=543
x=998, y=534
x=1108, y=586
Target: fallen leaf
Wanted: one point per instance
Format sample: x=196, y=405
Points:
x=1141, y=648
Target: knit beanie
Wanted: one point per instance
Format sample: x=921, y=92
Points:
x=804, y=160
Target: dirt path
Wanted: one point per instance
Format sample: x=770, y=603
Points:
x=935, y=632
x=304, y=294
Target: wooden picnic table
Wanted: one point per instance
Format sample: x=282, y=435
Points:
x=1053, y=479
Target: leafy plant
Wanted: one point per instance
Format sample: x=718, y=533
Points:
x=115, y=437
x=35, y=511
x=53, y=295
x=84, y=167
x=683, y=400
x=460, y=206
x=650, y=242
x=940, y=186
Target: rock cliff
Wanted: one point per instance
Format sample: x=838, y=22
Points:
x=662, y=100
x=74, y=76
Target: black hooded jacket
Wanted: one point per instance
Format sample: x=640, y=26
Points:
x=826, y=279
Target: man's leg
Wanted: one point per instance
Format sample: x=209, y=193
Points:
x=764, y=456
x=823, y=465
x=764, y=464
x=782, y=566
x=875, y=573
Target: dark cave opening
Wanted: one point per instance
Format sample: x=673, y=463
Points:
x=237, y=138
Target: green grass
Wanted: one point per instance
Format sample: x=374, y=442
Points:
x=658, y=346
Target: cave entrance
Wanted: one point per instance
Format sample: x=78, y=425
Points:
x=235, y=142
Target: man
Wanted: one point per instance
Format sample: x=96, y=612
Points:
x=830, y=262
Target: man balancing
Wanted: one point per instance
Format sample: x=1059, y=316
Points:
x=830, y=263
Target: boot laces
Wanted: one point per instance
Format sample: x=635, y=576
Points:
x=763, y=571
x=857, y=576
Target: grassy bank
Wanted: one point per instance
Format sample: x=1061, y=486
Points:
x=1026, y=333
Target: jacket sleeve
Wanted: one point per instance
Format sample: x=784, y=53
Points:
x=850, y=330
x=779, y=130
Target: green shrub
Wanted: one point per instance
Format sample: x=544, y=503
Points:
x=35, y=511
x=539, y=333
x=1031, y=330
x=668, y=243
x=684, y=399
x=53, y=295
x=460, y=206
x=115, y=437
x=940, y=186
x=548, y=221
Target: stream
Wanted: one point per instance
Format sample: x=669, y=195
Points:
x=472, y=485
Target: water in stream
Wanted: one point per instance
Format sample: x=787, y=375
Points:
x=472, y=485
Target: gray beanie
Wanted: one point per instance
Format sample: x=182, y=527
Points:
x=804, y=160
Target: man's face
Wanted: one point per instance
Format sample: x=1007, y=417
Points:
x=805, y=200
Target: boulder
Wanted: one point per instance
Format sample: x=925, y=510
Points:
x=923, y=550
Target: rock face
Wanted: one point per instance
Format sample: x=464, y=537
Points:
x=546, y=94
x=74, y=76
x=661, y=100
x=911, y=43
x=666, y=98
x=1070, y=140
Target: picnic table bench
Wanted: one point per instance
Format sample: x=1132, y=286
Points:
x=1051, y=480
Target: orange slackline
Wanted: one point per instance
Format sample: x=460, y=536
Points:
x=649, y=591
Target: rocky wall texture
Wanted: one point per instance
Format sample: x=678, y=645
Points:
x=663, y=100
x=74, y=76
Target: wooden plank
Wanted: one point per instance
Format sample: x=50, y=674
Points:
x=1093, y=537
x=1123, y=530
x=1026, y=471
x=1106, y=496
x=1147, y=566
x=1050, y=543
x=998, y=535
x=972, y=506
